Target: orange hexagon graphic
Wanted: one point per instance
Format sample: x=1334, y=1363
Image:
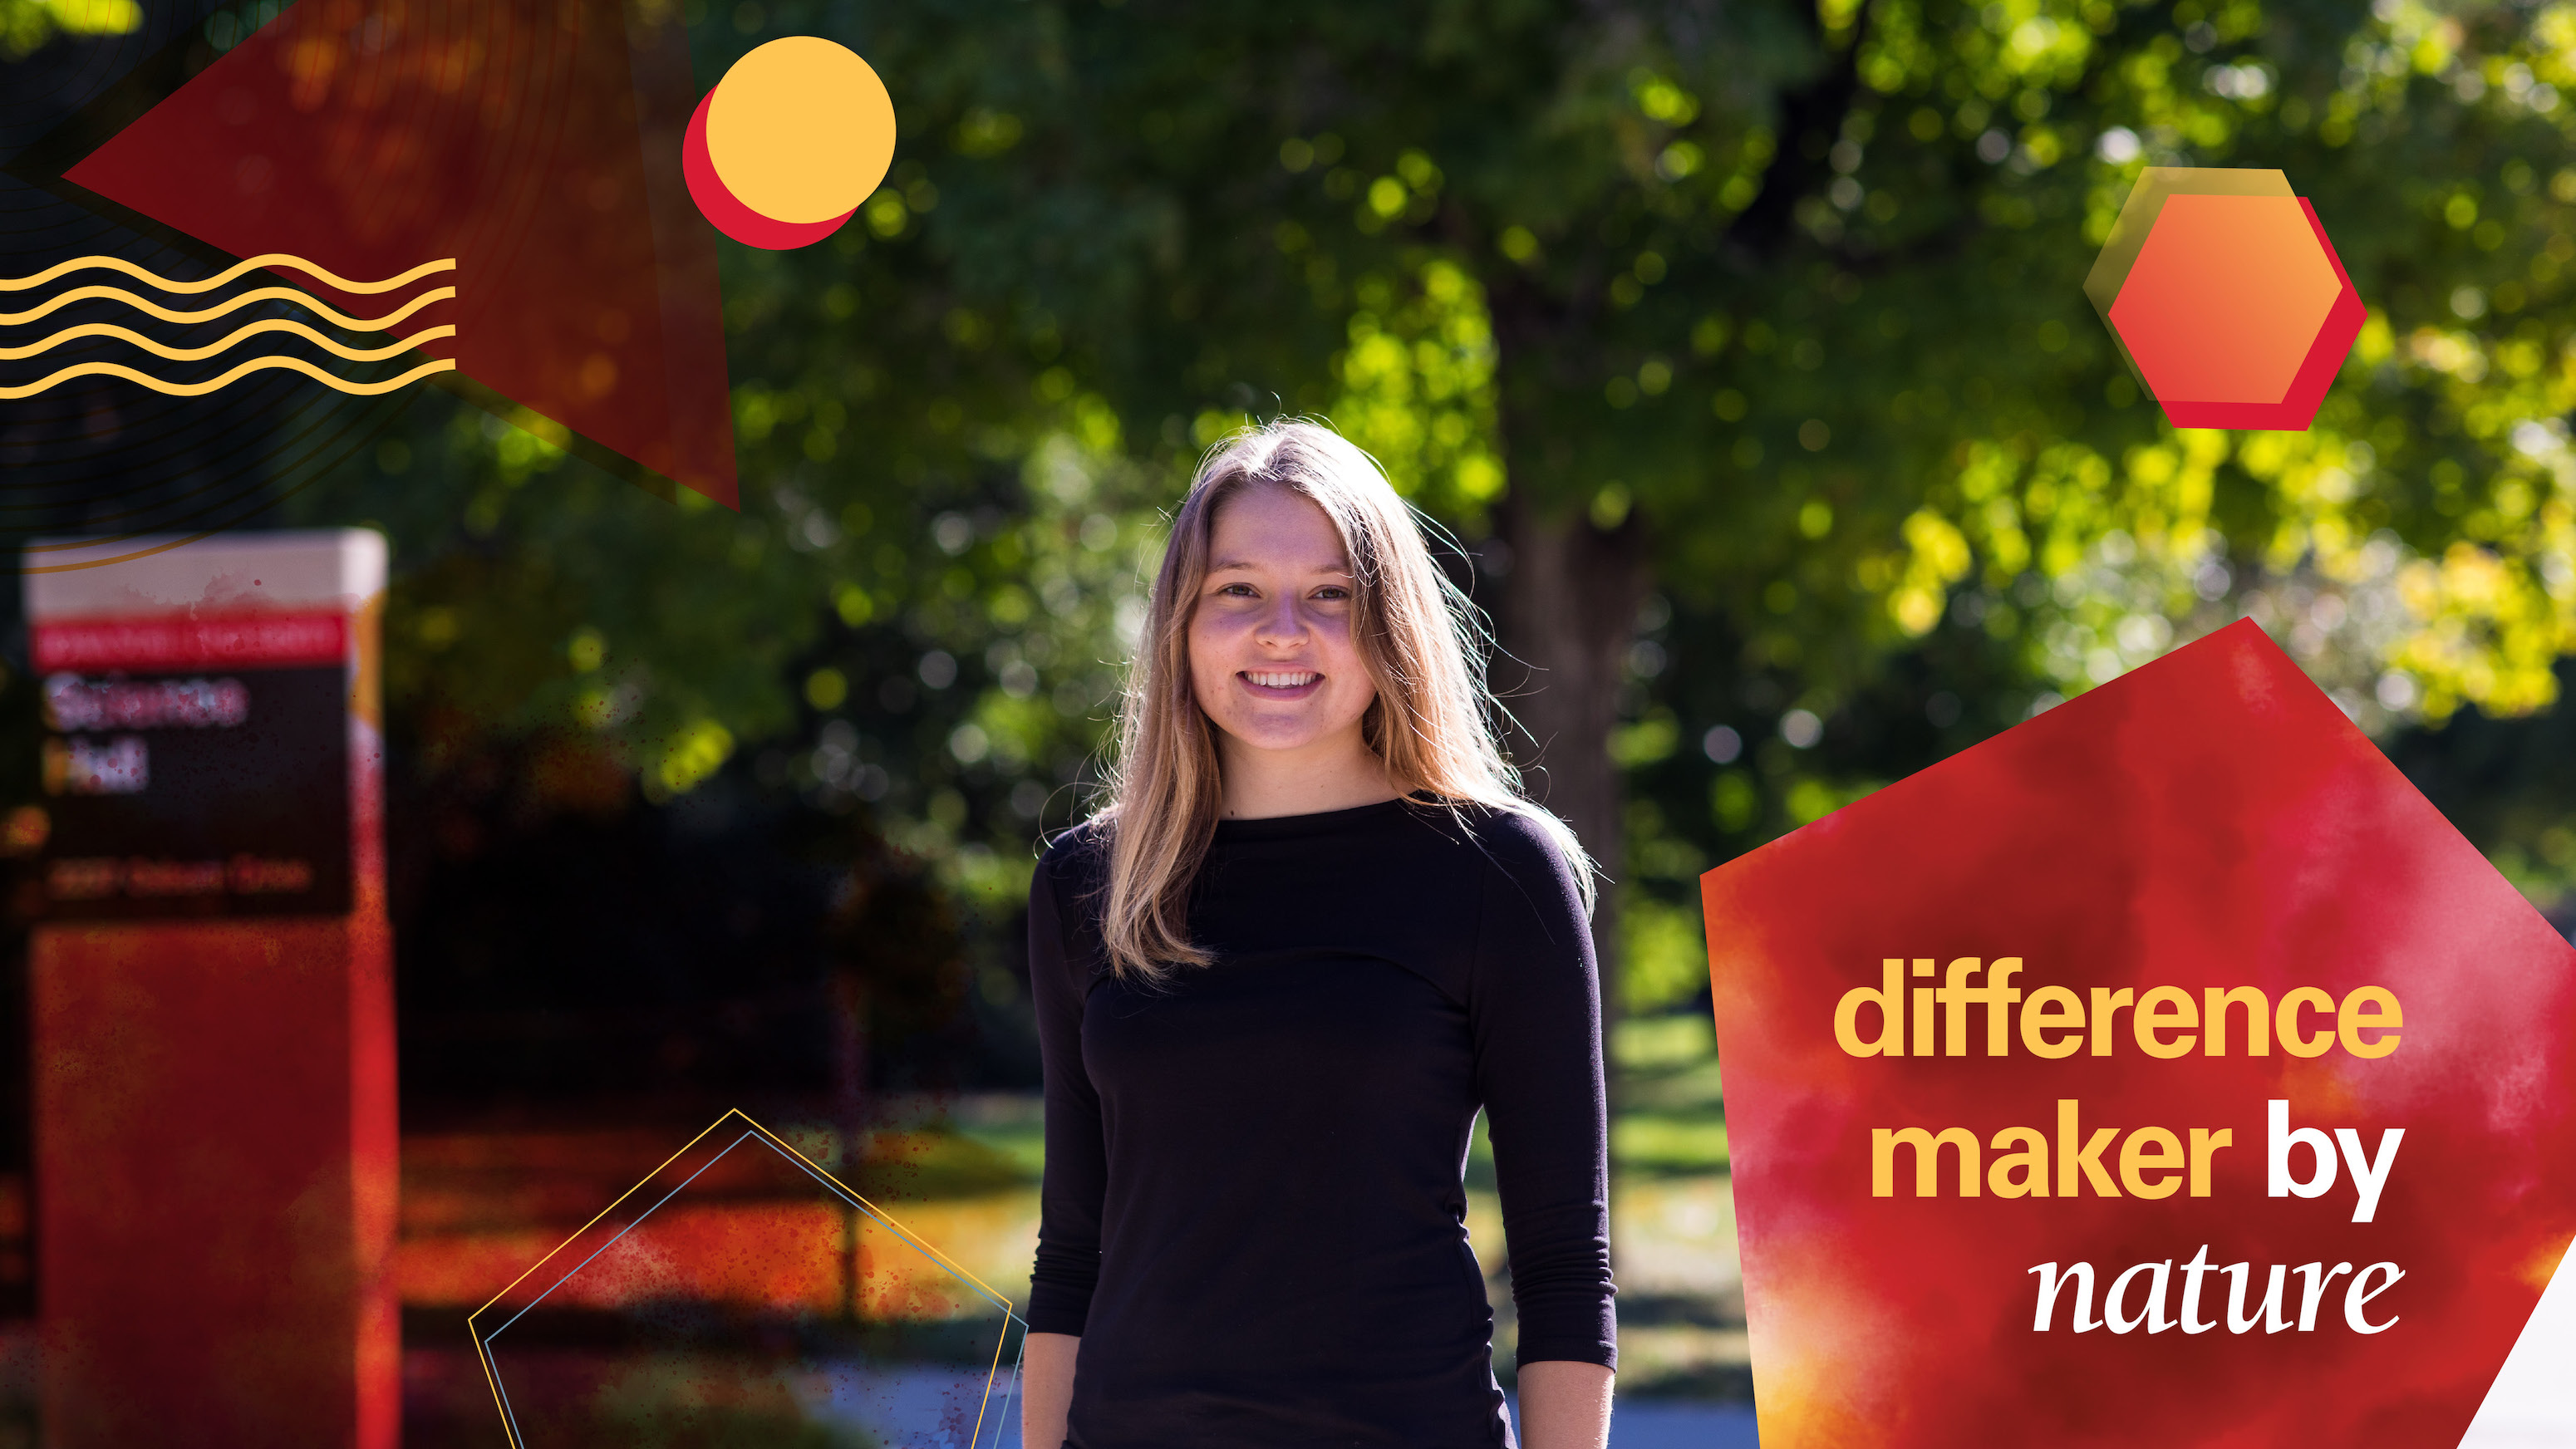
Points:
x=2226, y=298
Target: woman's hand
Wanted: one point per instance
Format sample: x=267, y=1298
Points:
x=1564, y=1405
x=1046, y=1388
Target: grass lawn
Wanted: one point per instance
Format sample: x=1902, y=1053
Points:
x=1671, y=1116
x=1681, y=1302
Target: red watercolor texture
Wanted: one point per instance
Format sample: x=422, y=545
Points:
x=2209, y=820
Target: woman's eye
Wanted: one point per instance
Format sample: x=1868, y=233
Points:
x=1332, y=591
x=1240, y=591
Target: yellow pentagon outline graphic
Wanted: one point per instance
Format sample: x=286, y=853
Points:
x=482, y=1341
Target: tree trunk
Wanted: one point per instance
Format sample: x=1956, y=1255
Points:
x=1568, y=612
x=1571, y=592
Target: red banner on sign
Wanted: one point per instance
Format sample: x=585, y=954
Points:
x=233, y=640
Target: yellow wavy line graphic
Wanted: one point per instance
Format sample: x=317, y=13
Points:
x=229, y=274
x=231, y=304
x=200, y=389
x=199, y=354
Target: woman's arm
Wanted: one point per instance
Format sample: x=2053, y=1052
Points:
x=1534, y=1010
x=1563, y=1405
x=1077, y=1174
x=1046, y=1389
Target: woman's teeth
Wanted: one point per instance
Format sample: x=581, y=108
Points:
x=1282, y=681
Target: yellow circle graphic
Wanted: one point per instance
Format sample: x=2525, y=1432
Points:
x=801, y=130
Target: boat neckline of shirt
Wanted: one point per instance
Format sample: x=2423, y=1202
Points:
x=1322, y=822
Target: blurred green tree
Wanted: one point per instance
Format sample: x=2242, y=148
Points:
x=1757, y=326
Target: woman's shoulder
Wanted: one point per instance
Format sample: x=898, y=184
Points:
x=1075, y=863
x=1516, y=841
x=1531, y=906
x=1065, y=895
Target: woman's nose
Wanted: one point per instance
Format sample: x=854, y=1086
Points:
x=1281, y=622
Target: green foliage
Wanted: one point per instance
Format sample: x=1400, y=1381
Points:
x=2509, y=785
x=2413, y=546
x=26, y=25
x=1672, y=1118
x=1417, y=388
x=1798, y=288
x=1666, y=956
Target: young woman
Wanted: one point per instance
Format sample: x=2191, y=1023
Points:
x=1315, y=928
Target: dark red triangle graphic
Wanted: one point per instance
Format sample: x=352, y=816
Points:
x=537, y=142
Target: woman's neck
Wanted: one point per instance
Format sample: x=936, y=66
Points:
x=1336, y=774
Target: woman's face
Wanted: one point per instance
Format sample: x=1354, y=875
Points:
x=1272, y=660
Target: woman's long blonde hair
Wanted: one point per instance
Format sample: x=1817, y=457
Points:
x=1424, y=645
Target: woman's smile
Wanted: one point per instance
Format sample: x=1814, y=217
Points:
x=1282, y=684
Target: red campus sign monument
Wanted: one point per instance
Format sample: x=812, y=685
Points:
x=212, y=996
x=2163, y=1071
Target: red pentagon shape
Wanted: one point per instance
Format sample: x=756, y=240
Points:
x=2206, y=828
x=2237, y=312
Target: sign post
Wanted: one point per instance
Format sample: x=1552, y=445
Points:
x=211, y=993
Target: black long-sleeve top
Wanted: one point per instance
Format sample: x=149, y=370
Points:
x=1253, y=1208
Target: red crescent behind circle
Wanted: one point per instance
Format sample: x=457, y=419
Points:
x=726, y=211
